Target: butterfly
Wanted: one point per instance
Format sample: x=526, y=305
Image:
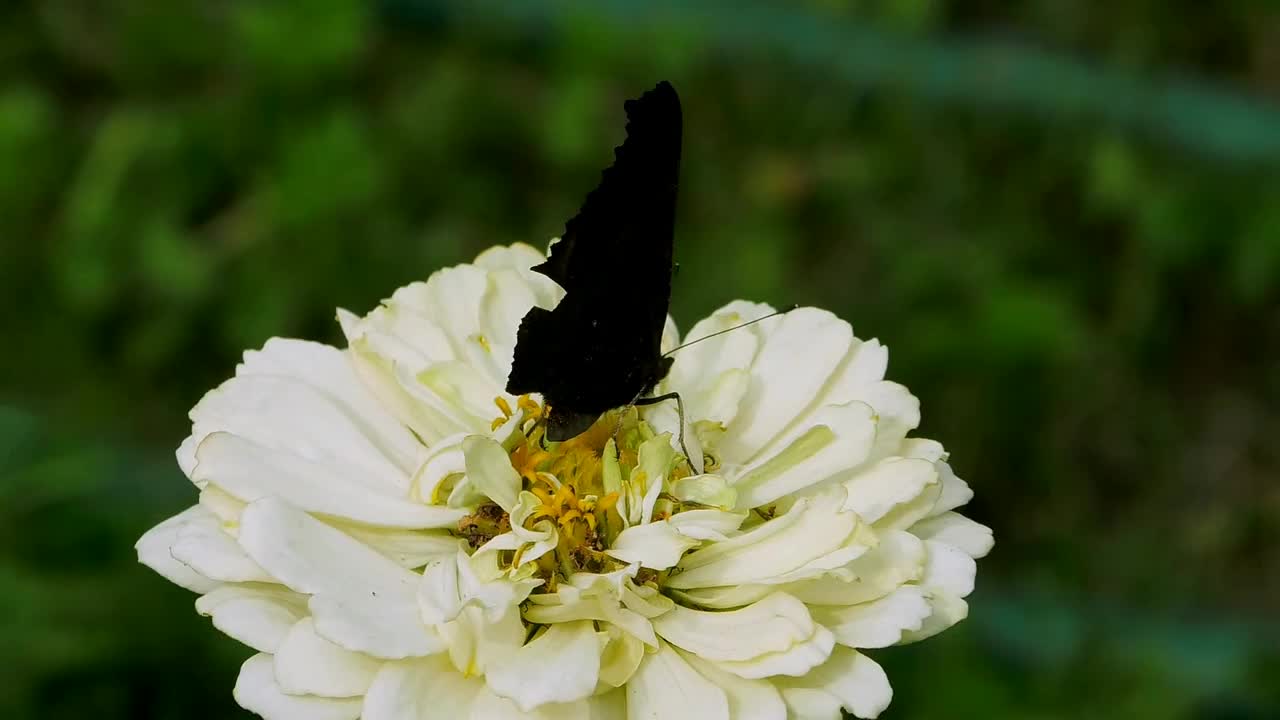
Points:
x=600, y=348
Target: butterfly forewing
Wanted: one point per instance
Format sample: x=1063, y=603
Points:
x=600, y=347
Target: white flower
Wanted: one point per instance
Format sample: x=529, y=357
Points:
x=392, y=535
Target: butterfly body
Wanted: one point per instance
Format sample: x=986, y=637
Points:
x=600, y=348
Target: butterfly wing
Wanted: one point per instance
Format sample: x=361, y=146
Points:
x=600, y=347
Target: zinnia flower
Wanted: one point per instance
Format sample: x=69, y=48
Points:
x=395, y=538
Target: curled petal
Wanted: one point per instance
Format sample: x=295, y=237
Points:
x=879, y=623
x=656, y=545
x=204, y=546
x=665, y=686
x=489, y=468
x=834, y=439
x=420, y=689
x=848, y=680
x=812, y=529
x=251, y=472
x=153, y=551
x=971, y=538
x=799, y=352
x=307, y=664
x=796, y=660
x=360, y=599
x=256, y=691
x=771, y=625
x=560, y=665
x=257, y=615
x=891, y=483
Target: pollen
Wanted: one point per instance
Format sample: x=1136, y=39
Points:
x=573, y=498
x=567, y=478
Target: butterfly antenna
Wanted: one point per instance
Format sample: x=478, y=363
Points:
x=775, y=313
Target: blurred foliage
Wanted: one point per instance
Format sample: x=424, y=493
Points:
x=1072, y=253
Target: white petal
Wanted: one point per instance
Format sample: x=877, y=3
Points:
x=853, y=680
x=593, y=608
x=257, y=615
x=307, y=664
x=489, y=706
x=864, y=365
x=656, y=460
x=835, y=438
x=656, y=545
x=949, y=569
x=748, y=699
x=305, y=397
x=947, y=611
x=360, y=599
x=381, y=361
x=795, y=660
x=898, y=559
x=441, y=462
x=701, y=372
x=665, y=686
x=458, y=389
x=203, y=545
x=718, y=401
x=879, y=623
x=810, y=704
x=452, y=297
x=256, y=691
x=897, y=413
x=451, y=584
x=814, y=527
x=251, y=472
x=153, y=551
x=477, y=642
x=516, y=256
x=773, y=624
x=922, y=449
x=420, y=689
x=646, y=599
x=800, y=351
x=664, y=419
x=707, y=524
x=955, y=492
x=489, y=467
x=223, y=504
x=407, y=548
x=560, y=665
x=611, y=705
x=892, y=482
x=711, y=490
x=509, y=294
x=284, y=413
x=620, y=657
x=332, y=372
x=973, y=539
x=725, y=598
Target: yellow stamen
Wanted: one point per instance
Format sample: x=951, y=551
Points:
x=607, y=502
x=568, y=480
x=503, y=405
x=530, y=408
x=542, y=495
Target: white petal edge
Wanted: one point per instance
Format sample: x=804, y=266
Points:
x=256, y=691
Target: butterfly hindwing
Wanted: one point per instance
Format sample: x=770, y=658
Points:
x=600, y=347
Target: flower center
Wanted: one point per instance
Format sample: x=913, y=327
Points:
x=578, y=487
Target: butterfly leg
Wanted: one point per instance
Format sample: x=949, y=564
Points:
x=679, y=411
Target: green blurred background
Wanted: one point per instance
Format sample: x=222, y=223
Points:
x=1063, y=219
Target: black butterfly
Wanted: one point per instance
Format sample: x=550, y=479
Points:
x=600, y=347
